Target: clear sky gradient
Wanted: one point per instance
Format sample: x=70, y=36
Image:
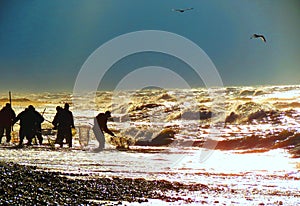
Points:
x=43, y=43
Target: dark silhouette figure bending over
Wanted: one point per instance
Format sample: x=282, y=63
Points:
x=64, y=122
x=7, y=115
x=27, y=124
x=100, y=126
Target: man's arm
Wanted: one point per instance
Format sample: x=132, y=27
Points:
x=13, y=114
x=105, y=129
x=55, y=120
x=16, y=119
x=40, y=118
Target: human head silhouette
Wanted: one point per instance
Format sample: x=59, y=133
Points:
x=108, y=114
x=67, y=106
x=30, y=107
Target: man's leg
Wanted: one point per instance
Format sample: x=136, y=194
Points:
x=1, y=133
x=39, y=136
x=61, y=140
x=70, y=140
x=68, y=136
x=7, y=133
x=59, y=137
x=99, y=136
x=22, y=135
x=30, y=135
x=29, y=138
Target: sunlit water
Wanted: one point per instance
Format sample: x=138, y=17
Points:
x=238, y=177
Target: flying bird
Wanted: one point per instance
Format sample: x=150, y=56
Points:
x=182, y=10
x=259, y=36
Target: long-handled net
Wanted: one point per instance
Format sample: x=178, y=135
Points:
x=84, y=135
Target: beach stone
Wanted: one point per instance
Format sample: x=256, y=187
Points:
x=25, y=185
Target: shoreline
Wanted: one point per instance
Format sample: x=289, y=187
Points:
x=26, y=185
x=28, y=181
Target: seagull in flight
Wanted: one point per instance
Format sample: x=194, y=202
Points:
x=259, y=36
x=182, y=10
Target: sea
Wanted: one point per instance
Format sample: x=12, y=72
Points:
x=242, y=142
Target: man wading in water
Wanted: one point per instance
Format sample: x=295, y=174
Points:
x=100, y=126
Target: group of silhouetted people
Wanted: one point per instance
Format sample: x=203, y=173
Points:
x=30, y=124
x=63, y=122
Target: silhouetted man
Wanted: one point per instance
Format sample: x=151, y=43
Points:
x=39, y=119
x=55, y=122
x=64, y=122
x=7, y=115
x=27, y=124
x=100, y=126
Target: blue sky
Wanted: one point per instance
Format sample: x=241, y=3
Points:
x=43, y=43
